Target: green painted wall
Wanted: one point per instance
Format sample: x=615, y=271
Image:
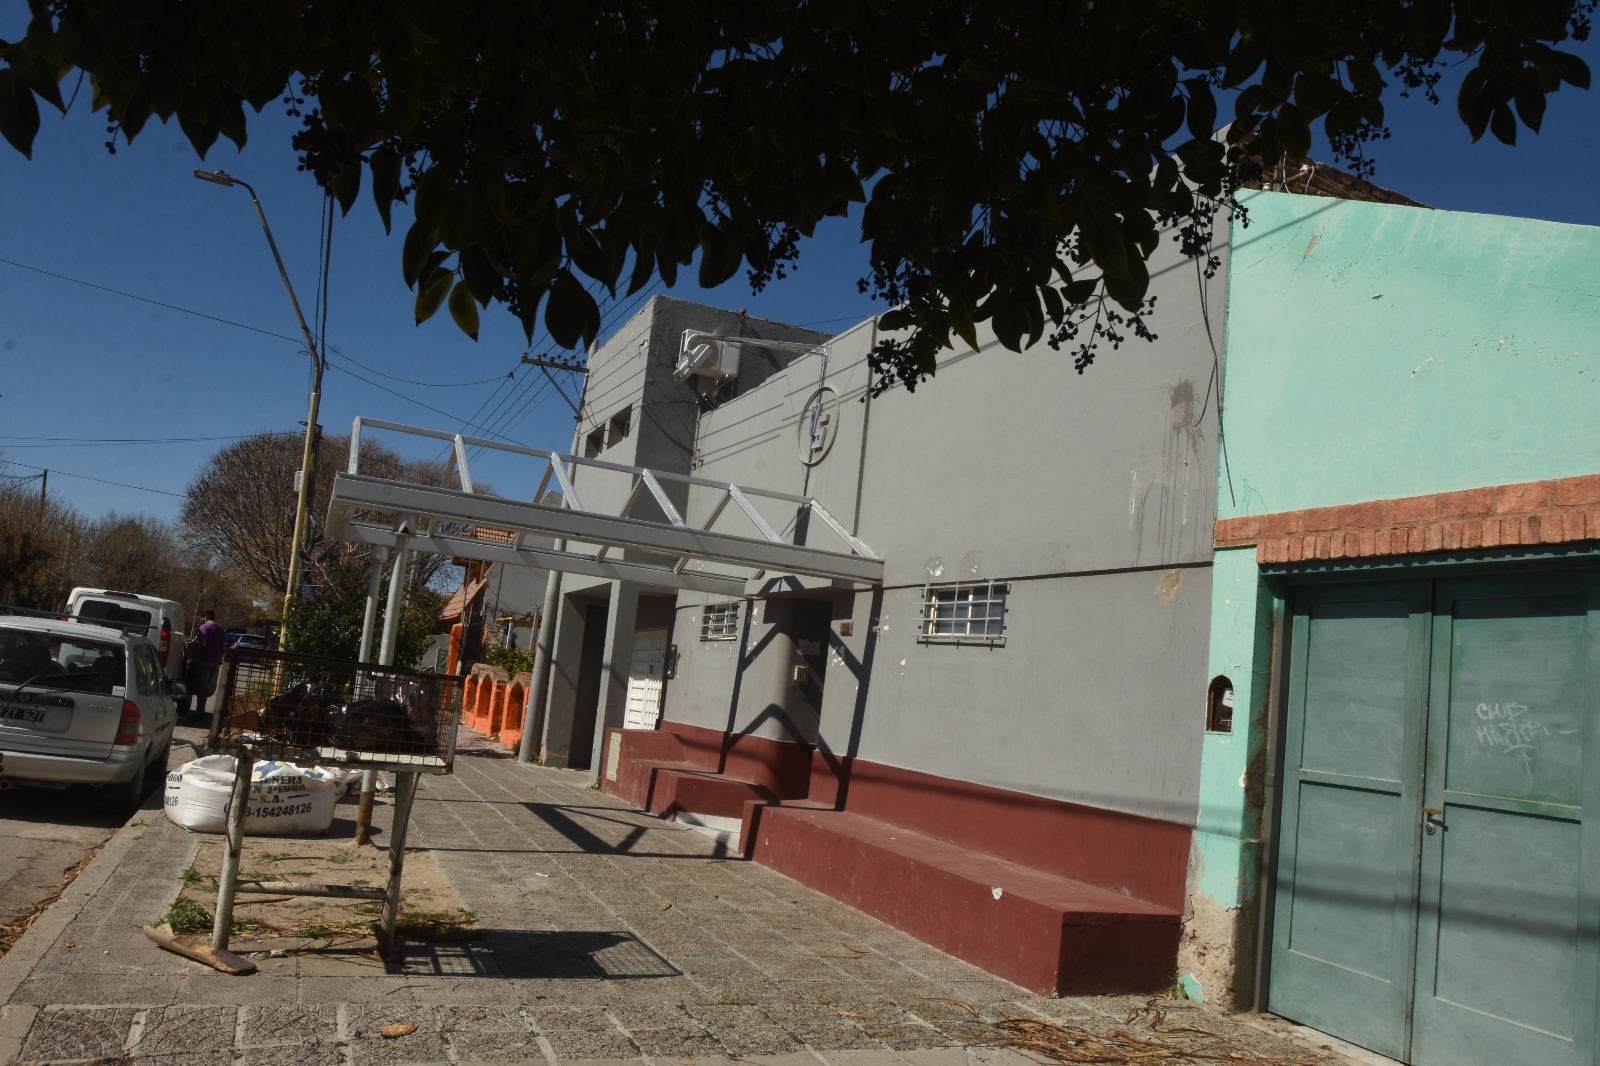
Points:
x=1375, y=352
x=1241, y=619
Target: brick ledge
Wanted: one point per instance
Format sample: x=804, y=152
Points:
x=1555, y=511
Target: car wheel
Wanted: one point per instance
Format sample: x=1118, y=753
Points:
x=124, y=799
x=156, y=772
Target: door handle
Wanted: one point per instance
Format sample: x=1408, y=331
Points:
x=1430, y=821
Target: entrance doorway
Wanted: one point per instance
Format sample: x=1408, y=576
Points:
x=646, y=675
x=1438, y=870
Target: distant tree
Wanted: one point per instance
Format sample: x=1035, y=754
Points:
x=240, y=508
x=134, y=553
x=207, y=585
x=1016, y=159
x=40, y=543
x=330, y=625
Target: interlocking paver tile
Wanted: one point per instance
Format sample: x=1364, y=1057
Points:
x=185, y=1030
x=78, y=1034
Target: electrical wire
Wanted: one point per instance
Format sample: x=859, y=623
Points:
x=236, y=324
x=408, y=381
x=392, y=392
x=326, y=252
x=534, y=396
x=154, y=303
x=99, y=441
x=101, y=480
x=512, y=395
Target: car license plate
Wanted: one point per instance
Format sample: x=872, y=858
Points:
x=23, y=714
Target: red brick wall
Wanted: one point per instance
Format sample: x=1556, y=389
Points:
x=1558, y=511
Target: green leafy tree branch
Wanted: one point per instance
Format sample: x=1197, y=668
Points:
x=1015, y=161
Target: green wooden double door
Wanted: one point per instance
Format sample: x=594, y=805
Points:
x=1438, y=889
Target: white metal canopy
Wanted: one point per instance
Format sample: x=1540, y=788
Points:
x=670, y=552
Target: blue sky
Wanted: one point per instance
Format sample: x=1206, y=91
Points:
x=137, y=302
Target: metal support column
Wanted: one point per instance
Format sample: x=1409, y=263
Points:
x=238, y=803
x=405, y=791
x=369, y=778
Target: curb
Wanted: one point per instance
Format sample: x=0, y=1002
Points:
x=34, y=944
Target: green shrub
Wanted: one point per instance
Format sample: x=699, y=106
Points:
x=330, y=625
x=513, y=661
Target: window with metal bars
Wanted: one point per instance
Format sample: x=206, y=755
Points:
x=720, y=622
x=967, y=611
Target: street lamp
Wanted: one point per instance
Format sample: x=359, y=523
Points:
x=308, y=456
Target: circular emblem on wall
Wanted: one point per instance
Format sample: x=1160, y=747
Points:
x=819, y=425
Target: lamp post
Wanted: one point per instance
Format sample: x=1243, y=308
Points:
x=308, y=456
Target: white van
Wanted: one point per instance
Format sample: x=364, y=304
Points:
x=161, y=619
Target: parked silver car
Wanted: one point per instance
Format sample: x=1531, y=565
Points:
x=83, y=705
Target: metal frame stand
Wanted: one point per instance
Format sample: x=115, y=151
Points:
x=322, y=684
x=228, y=884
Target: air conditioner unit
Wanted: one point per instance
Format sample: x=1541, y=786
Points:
x=701, y=355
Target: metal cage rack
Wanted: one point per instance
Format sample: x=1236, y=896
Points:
x=330, y=712
x=333, y=712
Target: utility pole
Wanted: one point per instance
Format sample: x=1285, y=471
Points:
x=556, y=362
x=44, y=479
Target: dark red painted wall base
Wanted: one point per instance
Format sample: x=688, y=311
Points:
x=1055, y=896
x=685, y=768
x=1047, y=933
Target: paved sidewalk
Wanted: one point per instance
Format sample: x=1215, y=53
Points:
x=605, y=934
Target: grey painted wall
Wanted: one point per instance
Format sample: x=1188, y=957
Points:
x=1089, y=494
x=632, y=372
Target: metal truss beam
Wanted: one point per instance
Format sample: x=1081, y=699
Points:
x=469, y=547
x=586, y=538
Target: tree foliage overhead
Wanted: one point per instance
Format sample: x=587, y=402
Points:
x=1016, y=159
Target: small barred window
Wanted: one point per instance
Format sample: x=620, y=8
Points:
x=720, y=622
x=973, y=611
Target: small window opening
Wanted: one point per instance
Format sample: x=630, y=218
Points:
x=965, y=612
x=1219, y=705
x=621, y=422
x=720, y=622
x=594, y=443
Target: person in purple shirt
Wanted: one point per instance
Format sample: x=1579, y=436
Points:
x=205, y=657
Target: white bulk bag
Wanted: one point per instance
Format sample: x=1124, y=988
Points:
x=285, y=799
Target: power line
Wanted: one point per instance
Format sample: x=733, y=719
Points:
x=830, y=321
x=535, y=395
x=228, y=322
x=148, y=300
x=408, y=381
x=408, y=399
x=512, y=396
x=105, y=442
x=392, y=392
x=101, y=480
x=518, y=404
